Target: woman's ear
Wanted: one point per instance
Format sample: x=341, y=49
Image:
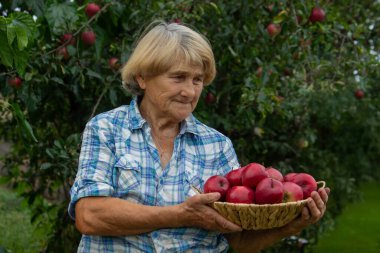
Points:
x=141, y=81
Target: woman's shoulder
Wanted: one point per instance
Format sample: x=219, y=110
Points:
x=109, y=118
x=208, y=132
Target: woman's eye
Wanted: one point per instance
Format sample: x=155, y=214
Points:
x=198, y=80
x=179, y=78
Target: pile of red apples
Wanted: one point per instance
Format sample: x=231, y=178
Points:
x=255, y=184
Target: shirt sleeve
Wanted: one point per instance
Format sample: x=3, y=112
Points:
x=228, y=159
x=96, y=160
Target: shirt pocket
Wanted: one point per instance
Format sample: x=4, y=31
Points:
x=193, y=176
x=128, y=177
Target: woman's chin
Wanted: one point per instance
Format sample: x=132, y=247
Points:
x=181, y=115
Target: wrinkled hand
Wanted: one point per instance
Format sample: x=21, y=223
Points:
x=196, y=212
x=312, y=213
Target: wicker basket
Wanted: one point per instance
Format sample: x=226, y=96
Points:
x=256, y=217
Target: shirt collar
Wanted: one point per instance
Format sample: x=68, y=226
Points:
x=136, y=120
x=189, y=125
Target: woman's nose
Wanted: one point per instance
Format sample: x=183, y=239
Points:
x=188, y=89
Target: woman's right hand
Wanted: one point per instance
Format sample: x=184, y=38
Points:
x=196, y=212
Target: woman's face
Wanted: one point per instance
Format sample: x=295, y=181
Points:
x=174, y=94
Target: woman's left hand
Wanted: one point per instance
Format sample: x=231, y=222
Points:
x=312, y=212
x=256, y=240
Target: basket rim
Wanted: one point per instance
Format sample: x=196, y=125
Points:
x=299, y=202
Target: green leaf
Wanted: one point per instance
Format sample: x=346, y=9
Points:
x=6, y=54
x=45, y=166
x=21, y=119
x=113, y=96
x=11, y=34
x=59, y=16
x=21, y=60
x=94, y=74
x=58, y=144
x=23, y=25
x=215, y=7
x=280, y=17
x=37, y=6
x=22, y=38
x=3, y=24
x=101, y=39
x=58, y=80
x=50, y=153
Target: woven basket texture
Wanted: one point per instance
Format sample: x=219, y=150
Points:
x=256, y=217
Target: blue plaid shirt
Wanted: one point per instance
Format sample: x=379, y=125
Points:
x=119, y=159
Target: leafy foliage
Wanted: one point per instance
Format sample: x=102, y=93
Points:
x=286, y=101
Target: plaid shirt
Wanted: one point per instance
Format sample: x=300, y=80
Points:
x=119, y=159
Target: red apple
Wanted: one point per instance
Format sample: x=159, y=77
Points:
x=91, y=9
x=68, y=37
x=292, y=192
x=240, y=194
x=307, y=183
x=269, y=191
x=217, y=183
x=177, y=20
x=252, y=174
x=113, y=62
x=15, y=82
x=63, y=52
x=210, y=98
x=88, y=38
x=359, y=94
x=317, y=15
x=273, y=29
x=275, y=174
x=289, y=177
x=234, y=177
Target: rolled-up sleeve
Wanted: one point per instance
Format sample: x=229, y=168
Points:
x=96, y=162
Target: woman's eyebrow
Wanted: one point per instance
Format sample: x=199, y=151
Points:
x=183, y=72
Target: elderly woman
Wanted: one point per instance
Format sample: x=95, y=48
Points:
x=138, y=163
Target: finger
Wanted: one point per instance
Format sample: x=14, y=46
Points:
x=318, y=200
x=314, y=210
x=328, y=190
x=324, y=195
x=227, y=226
x=208, y=198
x=305, y=214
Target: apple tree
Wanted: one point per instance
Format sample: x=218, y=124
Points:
x=297, y=89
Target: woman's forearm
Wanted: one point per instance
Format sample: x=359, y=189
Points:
x=117, y=217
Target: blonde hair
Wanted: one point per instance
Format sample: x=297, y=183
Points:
x=163, y=45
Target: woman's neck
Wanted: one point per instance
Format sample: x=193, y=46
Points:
x=162, y=127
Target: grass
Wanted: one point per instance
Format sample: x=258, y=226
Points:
x=358, y=228
x=18, y=234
